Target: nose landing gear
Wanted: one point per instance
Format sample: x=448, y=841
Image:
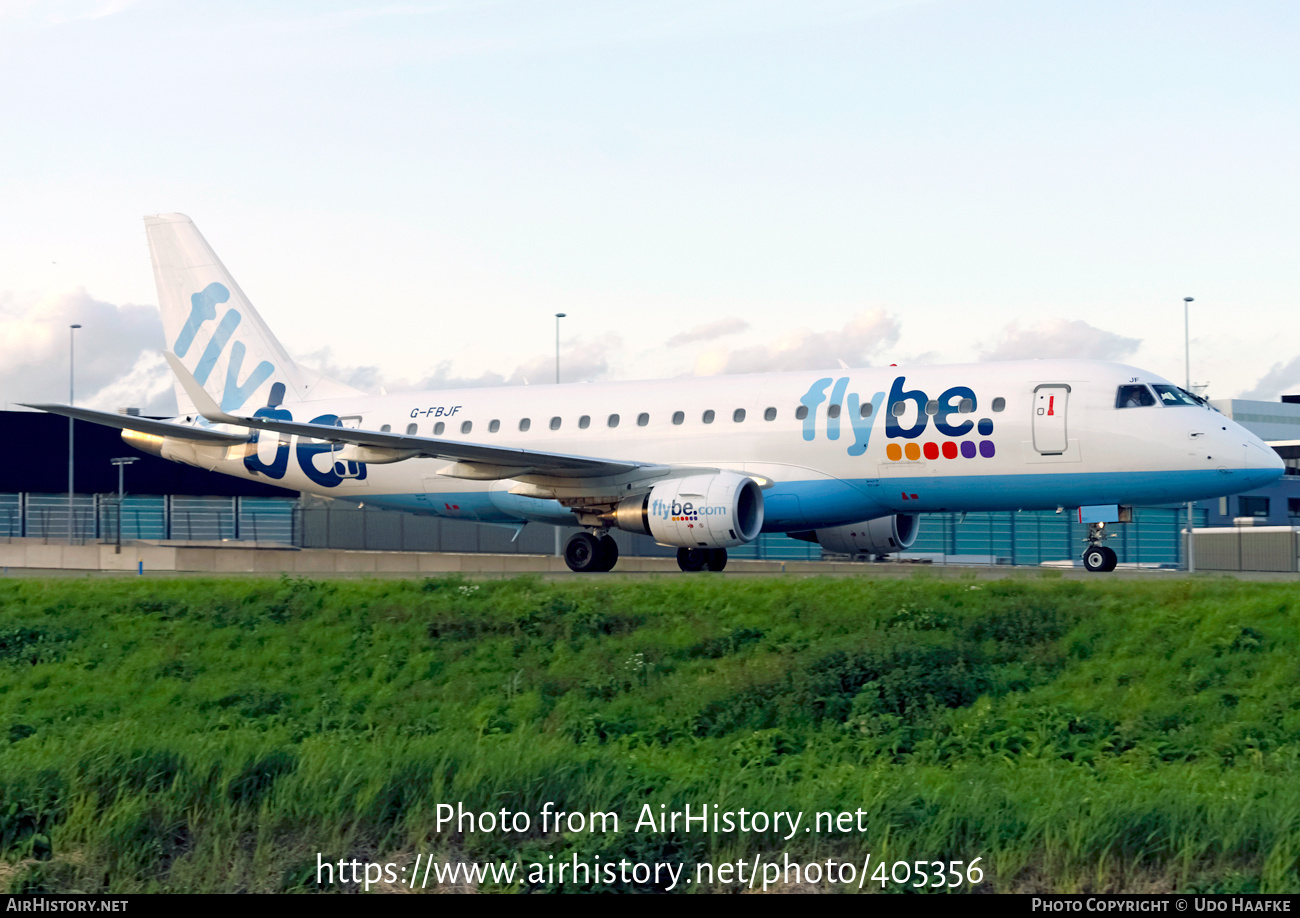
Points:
x=1097, y=558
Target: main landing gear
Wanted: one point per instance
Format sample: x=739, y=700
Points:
x=697, y=559
x=587, y=553
x=1097, y=558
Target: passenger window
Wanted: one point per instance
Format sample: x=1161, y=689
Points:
x=642, y=419
x=524, y=424
x=584, y=422
x=865, y=410
x=494, y=426
x=801, y=412
x=411, y=429
x=555, y=423
x=769, y=414
x=932, y=407
x=613, y=420
x=999, y=403
x=439, y=428
x=466, y=426
x=679, y=416
x=967, y=405
x=708, y=417
x=739, y=415
x=899, y=408
x=833, y=411
x=1134, y=397
x=386, y=428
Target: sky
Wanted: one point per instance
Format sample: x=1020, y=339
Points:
x=409, y=192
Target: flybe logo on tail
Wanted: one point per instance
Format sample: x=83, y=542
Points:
x=203, y=308
x=951, y=436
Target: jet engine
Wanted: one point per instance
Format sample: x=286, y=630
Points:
x=873, y=537
x=698, y=511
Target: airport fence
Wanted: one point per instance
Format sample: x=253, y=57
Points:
x=1009, y=537
x=1154, y=536
x=96, y=518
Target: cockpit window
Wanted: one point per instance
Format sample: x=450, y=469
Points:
x=1134, y=397
x=1173, y=395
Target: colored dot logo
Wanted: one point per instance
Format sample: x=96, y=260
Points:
x=948, y=449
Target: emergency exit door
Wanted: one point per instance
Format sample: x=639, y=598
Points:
x=1049, y=418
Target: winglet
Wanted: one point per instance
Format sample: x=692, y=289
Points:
x=198, y=395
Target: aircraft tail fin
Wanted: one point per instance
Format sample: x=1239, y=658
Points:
x=215, y=332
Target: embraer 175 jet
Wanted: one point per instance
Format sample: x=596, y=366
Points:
x=846, y=458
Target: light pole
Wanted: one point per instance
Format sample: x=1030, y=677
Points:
x=558, y=317
x=1187, y=366
x=121, y=462
x=72, y=331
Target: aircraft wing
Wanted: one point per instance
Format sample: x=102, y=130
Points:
x=491, y=461
x=473, y=460
x=146, y=425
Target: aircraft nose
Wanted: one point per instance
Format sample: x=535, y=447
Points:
x=1261, y=457
x=1262, y=463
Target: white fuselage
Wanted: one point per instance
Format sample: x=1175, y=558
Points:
x=1015, y=435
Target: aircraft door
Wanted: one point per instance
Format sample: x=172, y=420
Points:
x=1049, y=418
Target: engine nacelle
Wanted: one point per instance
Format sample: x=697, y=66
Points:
x=872, y=537
x=698, y=511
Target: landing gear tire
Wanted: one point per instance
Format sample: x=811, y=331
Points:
x=691, y=559
x=583, y=554
x=1098, y=559
x=609, y=553
x=587, y=554
x=698, y=559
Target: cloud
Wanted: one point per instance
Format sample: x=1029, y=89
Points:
x=1059, y=338
x=149, y=385
x=1282, y=378
x=119, y=363
x=864, y=337
x=708, y=332
x=58, y=12
x=34, y=352
x=581, y=360
x=367, y=378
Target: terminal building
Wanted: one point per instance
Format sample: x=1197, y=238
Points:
x=167, y=501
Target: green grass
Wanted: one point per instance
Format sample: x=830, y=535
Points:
x=216, y=735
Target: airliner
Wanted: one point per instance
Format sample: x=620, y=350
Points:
x=846, y=458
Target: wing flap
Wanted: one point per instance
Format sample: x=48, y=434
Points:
x=146, y=425
x=511, y=462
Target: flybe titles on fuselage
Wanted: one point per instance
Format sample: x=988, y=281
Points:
x=954, y=435
x=307, y=453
